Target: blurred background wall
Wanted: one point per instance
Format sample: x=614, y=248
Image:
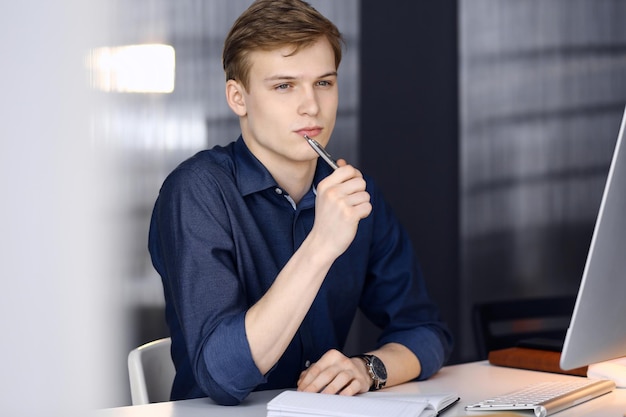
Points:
x=542, y=92
x=488, y=124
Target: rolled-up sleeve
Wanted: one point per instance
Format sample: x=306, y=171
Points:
x=231, y=374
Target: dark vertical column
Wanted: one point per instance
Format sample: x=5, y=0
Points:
x=409, y=129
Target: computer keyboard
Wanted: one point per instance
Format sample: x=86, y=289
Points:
x=546, y=398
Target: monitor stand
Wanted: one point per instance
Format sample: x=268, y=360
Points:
x=615, y=370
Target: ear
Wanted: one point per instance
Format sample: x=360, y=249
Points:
x=235, y=98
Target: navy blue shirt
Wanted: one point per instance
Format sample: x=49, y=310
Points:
x=221, y=231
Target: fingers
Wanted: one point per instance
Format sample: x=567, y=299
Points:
x=334, y=373
x=347, y=189
x=344, y=173
x=342, y=202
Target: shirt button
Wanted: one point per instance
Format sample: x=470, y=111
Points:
x=307, y=363
x=278, y=191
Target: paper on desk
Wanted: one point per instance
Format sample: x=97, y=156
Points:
x=295, y=403
x=439, y=401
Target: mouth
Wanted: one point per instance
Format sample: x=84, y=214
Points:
x=309, y=131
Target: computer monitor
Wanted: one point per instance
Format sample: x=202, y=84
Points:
x=597, y=330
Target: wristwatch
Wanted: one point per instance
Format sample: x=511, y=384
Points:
x=376, y=369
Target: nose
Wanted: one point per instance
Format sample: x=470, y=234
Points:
x=309, y=104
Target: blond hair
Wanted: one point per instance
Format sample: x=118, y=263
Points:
x=272, y=24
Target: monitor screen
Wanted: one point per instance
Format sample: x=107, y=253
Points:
x=597, y=330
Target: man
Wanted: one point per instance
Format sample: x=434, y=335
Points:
x=265, y=252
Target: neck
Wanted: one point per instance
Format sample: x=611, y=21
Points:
x=295, y=179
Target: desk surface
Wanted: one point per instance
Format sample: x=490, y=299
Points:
x=472, y=381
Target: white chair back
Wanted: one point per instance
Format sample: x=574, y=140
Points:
x=151, y=372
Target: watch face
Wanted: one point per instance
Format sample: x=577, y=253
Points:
x=379, y=368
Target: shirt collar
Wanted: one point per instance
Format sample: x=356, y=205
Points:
x=251, y=174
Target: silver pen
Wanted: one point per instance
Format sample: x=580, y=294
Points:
x=322, y=152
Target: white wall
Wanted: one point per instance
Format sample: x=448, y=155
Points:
x=58, y=311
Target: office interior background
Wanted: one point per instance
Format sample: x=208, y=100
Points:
x=489, y=125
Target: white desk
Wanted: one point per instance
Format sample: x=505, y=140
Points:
x=472, y=381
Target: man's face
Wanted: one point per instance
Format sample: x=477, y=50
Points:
x=288, y=97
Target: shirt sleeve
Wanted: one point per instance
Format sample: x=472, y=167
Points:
x=196, y=251
x=395, y=296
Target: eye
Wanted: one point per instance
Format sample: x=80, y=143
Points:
x=324, y=83
x=283, y=86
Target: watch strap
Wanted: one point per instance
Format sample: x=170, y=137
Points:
x=378, y=381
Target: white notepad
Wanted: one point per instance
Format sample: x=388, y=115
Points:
x=295, y=403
